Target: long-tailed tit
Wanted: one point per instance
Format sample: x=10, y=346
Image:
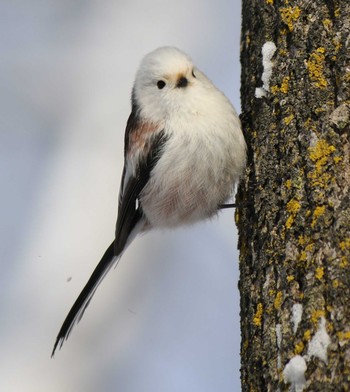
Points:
x=184, y=152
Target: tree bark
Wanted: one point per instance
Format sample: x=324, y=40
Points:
x=294, y=223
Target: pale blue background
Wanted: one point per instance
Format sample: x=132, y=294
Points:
x=167, y=319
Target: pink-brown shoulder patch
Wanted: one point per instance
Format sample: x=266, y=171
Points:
x=139, y=136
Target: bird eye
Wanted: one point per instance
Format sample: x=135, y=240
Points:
x=193, y=74
x=160, y=84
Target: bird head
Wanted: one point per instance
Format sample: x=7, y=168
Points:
x=165, y=83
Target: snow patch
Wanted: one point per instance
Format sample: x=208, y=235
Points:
x=297, y=312
x=268, y=50
x=279, y=341
x=320, y=342
x=294, y=373
x=279, y=335
x=260, y=92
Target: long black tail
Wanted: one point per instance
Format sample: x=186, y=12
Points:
x=79, y=306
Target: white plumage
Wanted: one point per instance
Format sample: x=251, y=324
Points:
x=205, y=153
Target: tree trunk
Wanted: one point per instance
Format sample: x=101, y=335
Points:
x=294, y=225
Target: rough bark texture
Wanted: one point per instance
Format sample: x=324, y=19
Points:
x=295, y=233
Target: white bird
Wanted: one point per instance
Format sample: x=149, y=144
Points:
x=184, y=152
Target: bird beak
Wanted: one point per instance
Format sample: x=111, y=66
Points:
x=182, y=82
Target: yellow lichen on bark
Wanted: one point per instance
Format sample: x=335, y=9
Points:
x=257, y=320
x=307, y=335
x=299, y=347
x=287, y=120
x=319, y=273
x=319, y=154
x=345, y=244
x=293, y=206
x=343, y=335
x=288, y=183
x=315, y=66
x=319, y=211
x=278, y=300
x=316, y=315
x=290, y=15
x=283, y=88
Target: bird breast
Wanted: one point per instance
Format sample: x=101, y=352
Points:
x=199, y=165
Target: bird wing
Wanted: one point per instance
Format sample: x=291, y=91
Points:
x=129, y=215
x=135, y=176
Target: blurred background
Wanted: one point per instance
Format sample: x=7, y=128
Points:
x=167, y=318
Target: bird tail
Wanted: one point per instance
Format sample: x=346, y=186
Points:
x=77, y=310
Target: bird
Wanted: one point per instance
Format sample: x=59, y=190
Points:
x=184, y=152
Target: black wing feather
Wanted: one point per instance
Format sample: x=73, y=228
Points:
x=129, y=214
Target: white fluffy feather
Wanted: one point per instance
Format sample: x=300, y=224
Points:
x=206, y=152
